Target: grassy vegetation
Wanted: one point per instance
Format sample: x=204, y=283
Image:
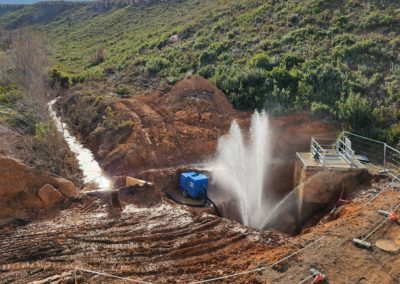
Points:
x=336, y=58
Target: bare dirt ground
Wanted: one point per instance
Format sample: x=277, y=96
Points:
x=335, y=255
x=165, y=243
x=168, y=243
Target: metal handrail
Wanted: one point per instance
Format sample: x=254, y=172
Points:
x=318, y=151
x=382, y=154
x=345, y=151
x=338, y=147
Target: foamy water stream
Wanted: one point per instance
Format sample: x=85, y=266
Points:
x=92, y=173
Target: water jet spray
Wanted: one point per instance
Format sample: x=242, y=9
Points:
x=240, y=168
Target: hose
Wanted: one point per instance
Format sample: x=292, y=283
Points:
x=203, y=204
x=169, y=195
x=215, y=207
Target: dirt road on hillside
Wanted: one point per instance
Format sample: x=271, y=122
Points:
x=163, y=244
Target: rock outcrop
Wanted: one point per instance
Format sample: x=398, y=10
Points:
x=24, y=190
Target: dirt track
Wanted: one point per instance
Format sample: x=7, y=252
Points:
x=167, y=243
x=164, y=244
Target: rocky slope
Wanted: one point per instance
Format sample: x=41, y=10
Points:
x=24, y=191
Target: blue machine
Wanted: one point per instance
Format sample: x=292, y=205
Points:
x=193, y=184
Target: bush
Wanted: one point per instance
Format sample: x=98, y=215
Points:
x=378, y=18
x=320, y=109
x=58, y=78
x=200, y=43
x=98, y=57
x=9, y=95
x=207, y=57
x=155, y=65
x=206, y=72
x=123, y=91
x=323, y=83
x=42, y=129
x=291, y=60
x=260, y=60
x=355, y=112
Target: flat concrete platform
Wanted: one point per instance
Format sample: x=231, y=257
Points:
x=306, y=166
x=332, y=162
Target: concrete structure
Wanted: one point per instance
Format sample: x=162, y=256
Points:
x=333, y=155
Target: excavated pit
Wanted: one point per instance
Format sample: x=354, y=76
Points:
x=290, y=211
x=291, y=134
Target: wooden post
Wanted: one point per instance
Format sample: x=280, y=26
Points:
x=115, y=198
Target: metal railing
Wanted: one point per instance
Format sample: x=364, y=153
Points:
x=321, y=148
x=318, y=152
x=344, y=149
x=376, y=152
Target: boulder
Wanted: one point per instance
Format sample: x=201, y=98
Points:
x=19, y=186
x=66, y=187
x=50, y=196
x=388, y=246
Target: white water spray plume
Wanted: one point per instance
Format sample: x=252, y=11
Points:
x=240, y=168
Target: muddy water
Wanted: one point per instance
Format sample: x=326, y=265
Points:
x=90, y=168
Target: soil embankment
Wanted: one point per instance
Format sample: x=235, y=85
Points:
x=156, y=129
x=153, y=135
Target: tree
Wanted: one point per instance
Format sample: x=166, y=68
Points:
x=355, y=112
x=29, y=58
x=323, y=83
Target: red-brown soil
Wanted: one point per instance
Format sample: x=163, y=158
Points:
x=169, y=129
x=166, y=243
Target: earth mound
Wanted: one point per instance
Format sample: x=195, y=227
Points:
x=165, y=129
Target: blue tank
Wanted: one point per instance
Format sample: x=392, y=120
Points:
x=193, y=184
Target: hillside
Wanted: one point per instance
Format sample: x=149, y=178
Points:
x=336, y=58
x=105, y=104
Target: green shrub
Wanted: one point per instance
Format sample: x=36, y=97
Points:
x=323, y=83
x=320, y=109
x=378, y=18
x=42, y=129
x=206, y=71
x=260, y=60
x=9, y=95
x=341, y=21
x=59, y=78
x=207, y=57
x=200, y=43
x=355, y=112
x=123, y=91
x=155, y=65
x=291, y=60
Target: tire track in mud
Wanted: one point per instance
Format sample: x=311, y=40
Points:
x=159, y=244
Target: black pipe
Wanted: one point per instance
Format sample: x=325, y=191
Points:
x=215, y=207
x=203, y=204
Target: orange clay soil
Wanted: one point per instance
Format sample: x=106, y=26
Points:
x=168, y=243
